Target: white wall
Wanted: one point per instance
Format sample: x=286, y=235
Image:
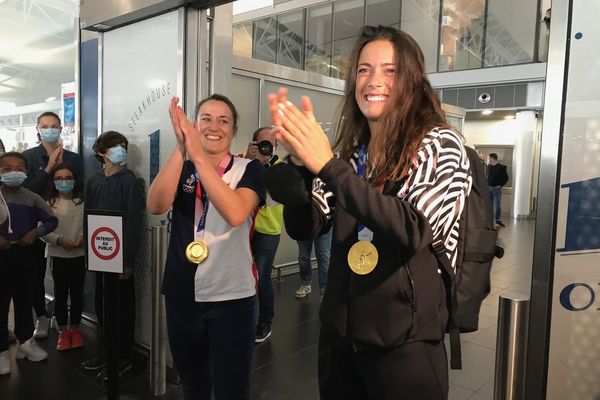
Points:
x=496, y=132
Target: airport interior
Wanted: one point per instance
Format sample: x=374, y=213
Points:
x=518, y=79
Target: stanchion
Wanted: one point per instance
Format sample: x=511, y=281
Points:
x=111, y=333
x=511, y=346
x=158, y=353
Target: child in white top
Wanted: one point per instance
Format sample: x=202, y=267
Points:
x=64, y=249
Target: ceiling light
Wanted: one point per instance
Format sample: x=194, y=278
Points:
x=509, y=117
x=51, y=98
x=487, y=112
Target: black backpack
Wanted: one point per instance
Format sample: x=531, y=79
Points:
x=470, y=284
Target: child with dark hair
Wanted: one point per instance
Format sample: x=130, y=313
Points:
x=116, y=188
x=64, y=248
x=17, y=234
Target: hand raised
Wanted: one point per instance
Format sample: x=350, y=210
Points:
x=191, y=136
x=300, y=133
x=175, y=121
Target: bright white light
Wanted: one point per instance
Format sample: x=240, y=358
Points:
x=509, y=117
x=7, y=107
x=242, y=6
x=51, y=98
x=487, y=112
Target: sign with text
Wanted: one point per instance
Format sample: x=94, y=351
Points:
x=105, y=241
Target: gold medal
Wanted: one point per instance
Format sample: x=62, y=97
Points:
x=362, y=257
x=196, y=252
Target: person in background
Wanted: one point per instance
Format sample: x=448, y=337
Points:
x=399, y=182
x=64, y=248
x=210, y=280
x=41, y=160
x=267, y=232
x=322, y=244
x=28, y=218
x=544, y=39
x=496, y=178
x=116, y=188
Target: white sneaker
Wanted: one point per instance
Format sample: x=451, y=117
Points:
x=41, y=327
x=31, y=350
x=4, y=363
x=303, y=290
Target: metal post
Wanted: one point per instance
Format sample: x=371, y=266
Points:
x=511, y=346
x=158, y=354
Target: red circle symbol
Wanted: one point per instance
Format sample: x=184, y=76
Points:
x=116, y=248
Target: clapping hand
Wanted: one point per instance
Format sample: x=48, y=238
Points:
x=299, y=132
x=186, y=132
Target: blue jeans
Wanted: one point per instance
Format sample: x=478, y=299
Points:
x=322, y=251
x=264, y=248
x=496, y=199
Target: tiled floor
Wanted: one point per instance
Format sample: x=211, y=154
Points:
x=285, y=365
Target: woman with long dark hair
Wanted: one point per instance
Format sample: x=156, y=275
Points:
x=64, y=249
x=399, y=182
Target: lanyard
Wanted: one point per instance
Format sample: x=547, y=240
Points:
x=201, y=208
x=364, y=233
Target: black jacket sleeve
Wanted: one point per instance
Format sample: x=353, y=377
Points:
x=134, y=230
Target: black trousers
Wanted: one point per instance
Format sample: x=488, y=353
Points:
x=68, y=275
x=39, y=274
x=414, y=371
x=16, y=283
x=125, y=317
x=212, y=345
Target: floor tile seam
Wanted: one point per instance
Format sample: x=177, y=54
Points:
x=282, y=358
x=293, y=392
x=463, y=387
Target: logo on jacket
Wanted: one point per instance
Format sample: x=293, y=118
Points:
x=189, y=184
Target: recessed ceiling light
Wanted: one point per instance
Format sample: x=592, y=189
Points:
x=51, y=98
x=487, y=112
x=509, y=117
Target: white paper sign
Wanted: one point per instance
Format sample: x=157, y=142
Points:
x=105, y=243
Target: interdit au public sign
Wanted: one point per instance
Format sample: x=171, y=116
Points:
x=582, y=236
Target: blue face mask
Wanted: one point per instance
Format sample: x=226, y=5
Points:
x=64, y=187
x=117, y=155
x=50, y=135
x=13, y=178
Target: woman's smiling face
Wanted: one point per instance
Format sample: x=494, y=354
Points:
x=375, y=78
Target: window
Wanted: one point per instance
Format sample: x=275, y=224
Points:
x=318, y=40
x=384, y=12
x=242, y=39
x=348, y=19
x=290, y=50
x=461, y=34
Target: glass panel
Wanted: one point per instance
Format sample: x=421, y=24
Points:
x=574, y=355
x=510, y=32
x=318, y=40
x=135, y=102
x=420, y=19
x=348, y=19
x=383, y=12
x=37, y=57
x=544, y=32
x=291, y=39
x=242, y=39
x=265, y=39
x=462, y=37
x=245, y=94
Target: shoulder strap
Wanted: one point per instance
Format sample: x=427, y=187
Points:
x=452, y=299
